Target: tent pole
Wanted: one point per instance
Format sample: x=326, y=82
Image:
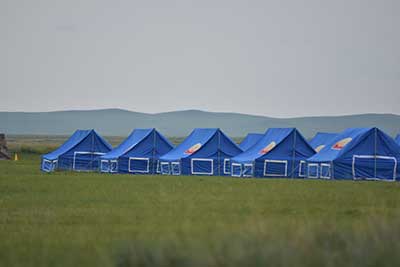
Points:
x=154, y=150
x=294, y=153
x=376, y=132
x=219, y=153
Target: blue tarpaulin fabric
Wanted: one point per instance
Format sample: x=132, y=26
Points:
x=398, y=139
x=80, y=153
x=204, y=152
x=281, y=152
x=139, y=153
x=320, y=140
x=250, y=140
x=357, y=153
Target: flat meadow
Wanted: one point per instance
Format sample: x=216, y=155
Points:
x=91, y=219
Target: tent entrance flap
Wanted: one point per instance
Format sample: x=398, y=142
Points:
x=277, y=168
x=202, y=166
x=378, y=167
x=139, y=165
x=85, y=160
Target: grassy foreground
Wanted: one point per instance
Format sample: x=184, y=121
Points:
x=88, y=219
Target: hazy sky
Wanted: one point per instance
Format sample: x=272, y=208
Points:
x=276, y=58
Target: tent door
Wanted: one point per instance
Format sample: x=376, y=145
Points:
x=370, y=167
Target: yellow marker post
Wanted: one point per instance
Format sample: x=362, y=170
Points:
x=16, y=157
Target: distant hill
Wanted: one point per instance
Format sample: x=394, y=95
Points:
x=119, y=122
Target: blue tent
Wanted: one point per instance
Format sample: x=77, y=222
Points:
x=357, y=153
x=79, y=153
x=398, y=139
x=139, y=153
x=281, y=152
x=203, y=152
x=320, y=140
x=250, y=140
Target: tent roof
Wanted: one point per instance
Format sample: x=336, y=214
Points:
x=77, y=137
x=135, y=138
x=398, y=139
x=197, y=141
x=272, y=135
x=321, y=139
x=342, y=143
x=250, y=140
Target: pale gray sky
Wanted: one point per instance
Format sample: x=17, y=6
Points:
x=277, y=58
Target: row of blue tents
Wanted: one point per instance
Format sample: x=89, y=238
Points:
x=356, y=153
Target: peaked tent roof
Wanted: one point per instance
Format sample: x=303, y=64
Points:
x=77, y=137
x=250, y=140
x=270, y=141
x=350, y=139
x=321, y=139
x=137, y=136
x=197, y=142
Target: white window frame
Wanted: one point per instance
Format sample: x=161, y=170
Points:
x=84, y=153
x=176, y=163
x=139, y=171
x=225, y=161
x=329, y=172
x=101, y=165
x=202, y=173
x=116, y=169
x=308, y=170
x=302, y=162
x=275, y=161
x=51, y=162
x=158, y=167
x=161, y=169
x=252, y=170
x=240, y=173
x=374, y=157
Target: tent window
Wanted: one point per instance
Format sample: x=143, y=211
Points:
x=325, y=171
x=138, y=165
x=175, y=168
x=277, y=168
x=49, y=165
x=164, y=166
x=104, y=165
x=236, y=169
x=373, y=167
x=202, y=166
x=247, y=170
x=114, y=165
x=227, y=166
x=313, y=170
x=302, y=168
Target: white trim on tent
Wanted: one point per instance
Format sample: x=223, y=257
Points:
x=162, y=169
x=251, y=169
x=374, y=157
x=275, y=161
x=139, y=170
x=302, y=162
x=225, y=163
x=202, y=159
x=308, y=170
x=84, y=153
x=233, y=173
x=178, y=164
x=329, y=171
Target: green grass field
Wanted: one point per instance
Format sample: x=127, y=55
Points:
x=88, y=219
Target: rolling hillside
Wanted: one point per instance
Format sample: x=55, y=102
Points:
x=118, y=122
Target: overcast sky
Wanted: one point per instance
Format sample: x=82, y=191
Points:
x=277, y=58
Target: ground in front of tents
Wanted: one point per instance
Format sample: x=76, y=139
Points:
x=91, y=219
